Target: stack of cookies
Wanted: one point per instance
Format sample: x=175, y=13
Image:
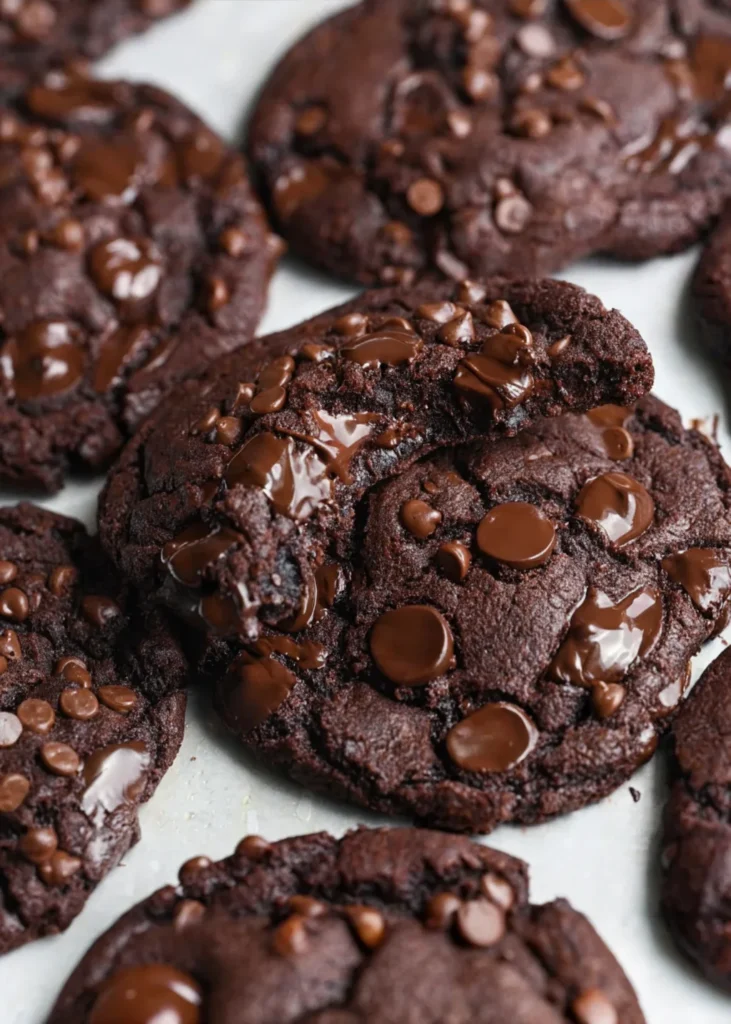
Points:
x=438, y=551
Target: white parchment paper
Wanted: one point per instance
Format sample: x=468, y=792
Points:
x=604, y=859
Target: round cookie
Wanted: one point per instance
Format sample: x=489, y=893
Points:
x=132, y=250
x=382, y=925
x=696, y=859
x=496, y=136
x=507, y=629
x=91, y=716
x=233, y=495
x=34, y=34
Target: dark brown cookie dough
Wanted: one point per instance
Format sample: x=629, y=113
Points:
x=261, y=465
x=696, y=885
x=91, y=716
x=497, y=136
x=131, y=250
x=383, y=925
x=35, y=34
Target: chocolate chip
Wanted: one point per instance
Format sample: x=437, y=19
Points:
x=565, y=75
x=517, y=534
x=193, y=867
x=513, y=213
x=311, y=120
x=425, y=197
x=531, y=124
x=218, y=294
x=59, y=868
x=254, y=848
x=79, y=704
x=369, y=925
x=535, y=40
x=74, y=670
x=593, y=1007
x=412, y=645
x=307, y=906
x=99, y=611
x=38, y=844
x=14, y=789
x=187, y=913
x=10, y=645
x=528, y=8
x=479, y=84
x=234, y=241
x=454, y=559
x=606, y=698
x=498, y=891
x=8, y=571
x=118, y=698
x=499, y=314
x=606, y=19
x=37, y=716
x=495, y=738
x=60, y=759
x=61, y=579
x=14, y=604
x=441, y=910
x=419, y=518
x=480, y=923
x=290, y=938
x=620, y=505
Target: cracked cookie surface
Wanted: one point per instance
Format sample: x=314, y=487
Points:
x=386, y=925
x=497, y=136
x=91, y=717
x=132, y=250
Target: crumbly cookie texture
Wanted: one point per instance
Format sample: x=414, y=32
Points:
x=91, y=716
x=382, y=925
x=497, y=136
x=132, y=251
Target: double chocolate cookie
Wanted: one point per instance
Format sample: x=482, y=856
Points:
x=712, y=290
x=403, y=645
x=696, y=886
x=497, y=136
x=387, y=925
x=91, y=716
x=34, y=34
x=232, y=497
x=131, y=251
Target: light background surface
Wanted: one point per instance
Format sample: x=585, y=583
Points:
x=215, y=56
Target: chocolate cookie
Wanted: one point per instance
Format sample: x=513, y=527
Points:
x=497, y=136
x=34, y=34
x=712, y=290
x=249, y=479
x=696, y=885
x=382, y=925
x=91, y=716
x=131, y=250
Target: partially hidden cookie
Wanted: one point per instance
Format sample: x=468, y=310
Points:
x=35, y=34
x=711, y=291
x=91, y=716
x=263, y=464
x=696, y=857
x=497, y=136
x=382, y=925
x=131, y=251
